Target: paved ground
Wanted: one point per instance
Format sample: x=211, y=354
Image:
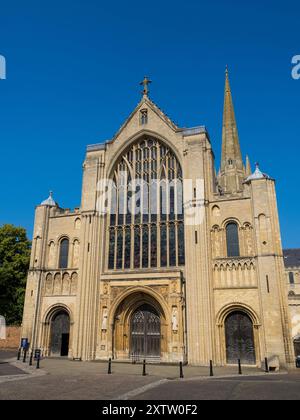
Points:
x=8, y=369
x=63, y=379
x=5, y=367
x=272, y=387
x=7, y=354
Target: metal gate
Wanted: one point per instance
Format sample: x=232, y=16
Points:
x=145, y=333
x=239, y=339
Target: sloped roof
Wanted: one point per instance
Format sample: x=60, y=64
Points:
x=257, y=174
x=50, y=201
x=291, y=257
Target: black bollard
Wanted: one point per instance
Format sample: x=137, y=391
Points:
x=24, y=356
x=144, y=367
x=240, y=367
x=211, y=371
x=38, y=362
x=19, y=354
x=266, y=365
x=30, y=359
x=109, y=366
x=181, y=370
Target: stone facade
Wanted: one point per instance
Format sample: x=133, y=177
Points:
x=292, y=265
x=88, y=303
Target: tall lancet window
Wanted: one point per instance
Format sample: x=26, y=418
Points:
x=146, y=222
x=64, y=253
x=291, y=278
x=232, y=238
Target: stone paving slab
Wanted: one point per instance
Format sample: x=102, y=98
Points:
x=8, y=369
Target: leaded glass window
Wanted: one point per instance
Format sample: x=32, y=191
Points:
x=119, y=247
x=146, y=224
x=127, y=247
x=181, y=248
x=232, y=237
x=153, y=246
x=137, y=246
x=111, y=254
x=64, y=253
x=291, y=278
x=172, y=244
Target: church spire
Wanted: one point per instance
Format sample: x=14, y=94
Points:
x=231, y=146
x=248, y=166
x=232, y=167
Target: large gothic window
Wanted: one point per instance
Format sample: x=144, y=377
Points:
x=146, y=222
x=232, y=238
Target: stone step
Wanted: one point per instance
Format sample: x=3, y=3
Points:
x=149, y=359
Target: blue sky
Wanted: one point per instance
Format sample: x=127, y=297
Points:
x=73, y=69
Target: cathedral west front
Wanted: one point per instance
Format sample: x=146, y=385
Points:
x=166, y=259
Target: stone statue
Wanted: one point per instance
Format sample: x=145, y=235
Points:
x=175, y=319
x=104, y=319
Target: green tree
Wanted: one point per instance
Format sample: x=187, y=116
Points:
x=14, y=264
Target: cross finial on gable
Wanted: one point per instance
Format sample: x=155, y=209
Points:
x=146, y=82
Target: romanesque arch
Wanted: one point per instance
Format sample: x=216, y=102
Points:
x=57, y=331
x=238, y=336
x=60, y=334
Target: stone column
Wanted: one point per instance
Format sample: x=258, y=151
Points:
x=199, y=297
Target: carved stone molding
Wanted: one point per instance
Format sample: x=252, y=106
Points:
x=234, y=262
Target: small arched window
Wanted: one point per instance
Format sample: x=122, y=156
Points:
x=144, y=117
x=64, y=253
x=232, y=238
x=291, y=278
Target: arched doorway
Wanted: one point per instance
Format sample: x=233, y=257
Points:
x=145, y=332
x=60, y=334
x=141, y=328
x=239, y=339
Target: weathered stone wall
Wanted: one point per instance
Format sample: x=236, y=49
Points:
x=293, y=291
x=13, y=338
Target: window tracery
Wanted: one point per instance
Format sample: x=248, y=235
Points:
x=146, y=222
